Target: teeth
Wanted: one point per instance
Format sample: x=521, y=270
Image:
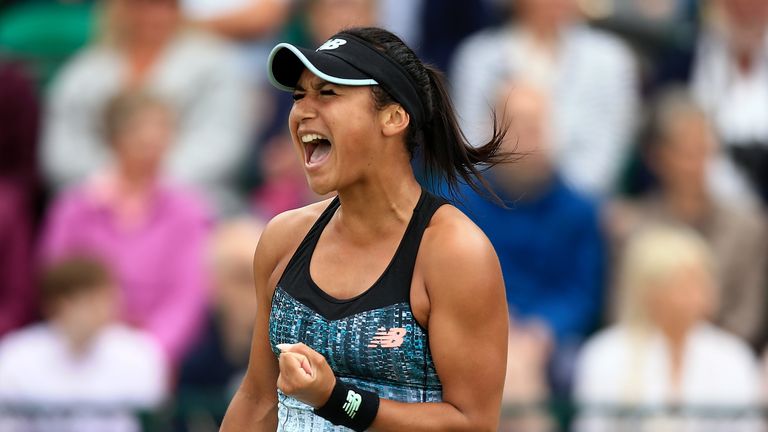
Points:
x=311, y=137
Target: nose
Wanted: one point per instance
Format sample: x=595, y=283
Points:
x=304, y=109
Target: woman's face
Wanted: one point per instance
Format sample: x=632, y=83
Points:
x=143, y=141
x=335, y=130
x=681, y=160
x=683, y=298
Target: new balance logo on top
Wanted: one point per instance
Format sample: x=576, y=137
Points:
x=331, y=44
x=352, y=404
x=384, y=338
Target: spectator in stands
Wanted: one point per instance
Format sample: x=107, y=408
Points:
x=327, y=17
x=19, y=117
x=548, y=241
x=526, y=391
x=730, y=80
x=19, y=127
x=239, y=19
x=664, y=353
x=146, y=46
x=681, y=147
x=17, y=297
x=150, y=231
x=215, y=366
x=590, y=74
x=79, y=370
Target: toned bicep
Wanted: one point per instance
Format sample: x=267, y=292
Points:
x=468, y=326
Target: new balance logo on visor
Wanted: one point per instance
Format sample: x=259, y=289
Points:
x=331, y=44
x=352, y=404
x=384, y=338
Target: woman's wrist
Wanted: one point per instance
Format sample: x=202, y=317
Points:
x=350, y=406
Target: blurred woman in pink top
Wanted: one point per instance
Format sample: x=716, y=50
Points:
x=152, y=233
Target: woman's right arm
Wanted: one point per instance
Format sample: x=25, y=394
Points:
x=254, y=406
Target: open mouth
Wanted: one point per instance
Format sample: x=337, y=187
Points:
x=316, y=148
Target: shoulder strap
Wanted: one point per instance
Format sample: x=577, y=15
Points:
x=303, y=253
x=400, y=273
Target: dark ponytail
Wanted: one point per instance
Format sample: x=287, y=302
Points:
x=446, y=153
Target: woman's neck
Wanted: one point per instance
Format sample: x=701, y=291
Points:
x=676, y=339
x=379, y=206
x=135, y=181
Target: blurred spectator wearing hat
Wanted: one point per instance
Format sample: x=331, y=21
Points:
x=146, y=45
x=681, y=150
x=663, y=366
x=591, y=75
x=149, y=230
x=80, y=369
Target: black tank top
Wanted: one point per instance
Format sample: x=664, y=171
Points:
x=372, y=340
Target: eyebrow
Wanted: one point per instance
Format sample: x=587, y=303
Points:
x=319, y=85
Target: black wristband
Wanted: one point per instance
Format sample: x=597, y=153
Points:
x=349, y=406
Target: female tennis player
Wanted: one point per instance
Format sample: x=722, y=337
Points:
x=382, y=308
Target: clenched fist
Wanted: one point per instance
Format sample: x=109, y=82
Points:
x=304, y=374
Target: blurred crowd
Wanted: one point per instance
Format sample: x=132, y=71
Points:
x=142, y=150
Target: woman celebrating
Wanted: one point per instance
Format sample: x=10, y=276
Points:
x=383, y=307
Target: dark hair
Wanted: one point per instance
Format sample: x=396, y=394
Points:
x=71, y=276
x=447, y=154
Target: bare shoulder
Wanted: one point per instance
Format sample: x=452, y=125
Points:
x=454, y=249
x=282, y=236
x=452, y=235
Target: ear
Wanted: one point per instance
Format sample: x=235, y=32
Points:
x=394, y=120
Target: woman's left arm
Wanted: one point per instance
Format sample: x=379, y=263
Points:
x=468, y=324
